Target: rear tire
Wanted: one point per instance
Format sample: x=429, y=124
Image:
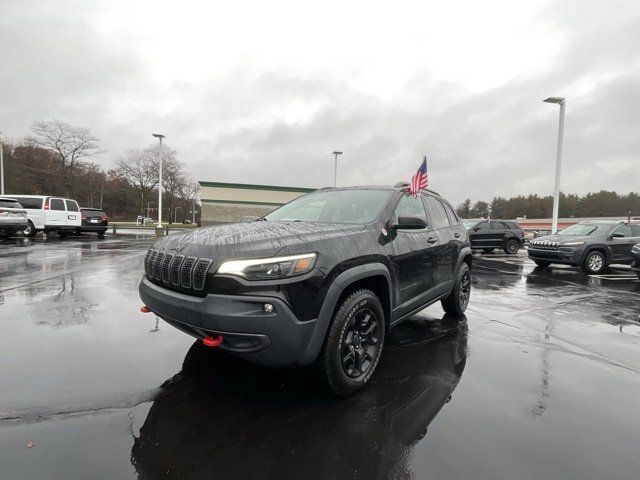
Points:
x=488, y=250
x=512, y=246
x=542, y=263
x=354, y=343
x=30, y=230
x=456, y=303
x=101, y=234
x=594, y=263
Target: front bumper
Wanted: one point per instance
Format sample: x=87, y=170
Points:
x=564, y=255
x=276, y=339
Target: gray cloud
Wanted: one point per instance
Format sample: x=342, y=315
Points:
x=260, y=124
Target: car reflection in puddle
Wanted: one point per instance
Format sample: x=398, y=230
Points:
x=223, y=417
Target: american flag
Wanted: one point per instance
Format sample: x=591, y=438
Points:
x=420, y=179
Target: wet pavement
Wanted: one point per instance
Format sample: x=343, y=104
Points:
x=542, y=380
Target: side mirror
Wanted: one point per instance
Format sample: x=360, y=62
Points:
x=616, y=235
x=476, y=229
x=411, y=222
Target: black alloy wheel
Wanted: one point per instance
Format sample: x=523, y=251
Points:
x=456, y=303
x=353, y=344
x=512, y=246
x=361, y=343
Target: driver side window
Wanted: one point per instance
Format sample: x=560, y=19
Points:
x=622, y=229
x=410, y=205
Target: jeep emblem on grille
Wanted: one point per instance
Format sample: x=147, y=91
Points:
x=176, y=249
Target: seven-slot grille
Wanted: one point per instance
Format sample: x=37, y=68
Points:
x=171, y=270
x=544, y=245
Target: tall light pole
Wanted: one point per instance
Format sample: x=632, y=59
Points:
x=1, y=168
x=556, y=193
x=159, y=137
x=335, y=169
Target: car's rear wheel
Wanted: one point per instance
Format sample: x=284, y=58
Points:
x=30, y=230
x=542, y=263
x=512, y=246
x=101, y=233
x=488, y=250
x=456, y=303
x=594, y=263
x=354, y=343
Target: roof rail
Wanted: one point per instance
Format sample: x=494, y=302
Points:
x=401, y=184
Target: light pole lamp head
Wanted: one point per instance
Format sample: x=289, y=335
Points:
x=558, y=100
x=337, y=153
x=158, y=135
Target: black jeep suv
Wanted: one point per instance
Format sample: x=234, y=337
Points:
x=321, y=279
x=491, y=234
x=591, y=245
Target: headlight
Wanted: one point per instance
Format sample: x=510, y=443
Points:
x=270, y=268
x=571, y=244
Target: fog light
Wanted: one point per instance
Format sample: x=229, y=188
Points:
x=268, y=308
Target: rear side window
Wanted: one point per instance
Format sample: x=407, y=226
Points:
x=453, y=218
x=482, y=226
x=32, y=202
x=635, y=230
x=56, y=204
x=495, y=225
x=437, y=212
x=72, y=206
x=513, y=226
x=9, y=203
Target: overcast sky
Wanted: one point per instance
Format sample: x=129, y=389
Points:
x=263, y=92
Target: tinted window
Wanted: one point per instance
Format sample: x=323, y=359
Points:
x=56, y=204
x=469, y=223
x=410, y=205
x=496, y=225
x=9, y=203
x=333, y=206
x=437, y=213
x=453, y=218
x=513, y=225
x=100, y=213
x=72, y=206
x=482, y=227
x=31, y=202
x=622, y=229
x=635, y=230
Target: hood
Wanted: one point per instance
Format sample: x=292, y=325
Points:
x=249, y=240
x=560, y=239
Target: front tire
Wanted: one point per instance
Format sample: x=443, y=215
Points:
x=594, y=263
x=353, y=344
x=511, y=247
x=456, y=303
x=30, y=230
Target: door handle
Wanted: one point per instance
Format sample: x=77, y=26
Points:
x=457, y=235
x=432, y=240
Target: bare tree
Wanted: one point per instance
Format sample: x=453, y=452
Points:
x=190, y=196
x=139, y=167
x=174, y=180
x=72, y=144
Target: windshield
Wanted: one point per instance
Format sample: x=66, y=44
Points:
x=333, y=206
x=582, y=229
x=469, y=223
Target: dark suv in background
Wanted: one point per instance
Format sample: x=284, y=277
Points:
x=487, y=235
x=321, y=279
x=590, y=245
x=94, y=220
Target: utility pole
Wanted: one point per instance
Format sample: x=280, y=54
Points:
x=159, y=137
x=335, y=169
x=101, y=195
x=1, y=168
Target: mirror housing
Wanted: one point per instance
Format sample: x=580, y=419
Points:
x=410, y=222
x=616, y=235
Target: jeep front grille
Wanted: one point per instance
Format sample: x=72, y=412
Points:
x=176, y=271
x=544, y=245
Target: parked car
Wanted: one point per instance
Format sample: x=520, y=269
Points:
x=487, y=235
x=635, y=254
x=591, y=245
x=13, y=218
x=320, y=279
x=93, y=220
x=49, y=214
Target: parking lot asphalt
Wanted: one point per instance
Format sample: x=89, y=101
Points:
x=541, y=380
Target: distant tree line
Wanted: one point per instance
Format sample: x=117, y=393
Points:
x=599, y=204
x=61, y=159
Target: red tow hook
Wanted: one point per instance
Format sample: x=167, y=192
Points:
x=215, y=341
x=145, y=309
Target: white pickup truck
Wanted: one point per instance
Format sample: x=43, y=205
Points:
x=47, y=214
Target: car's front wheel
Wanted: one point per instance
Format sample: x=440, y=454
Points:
x=354, y=343
x=456, y=303
x=594, y=263
x=512, y=246
x=30, y=230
